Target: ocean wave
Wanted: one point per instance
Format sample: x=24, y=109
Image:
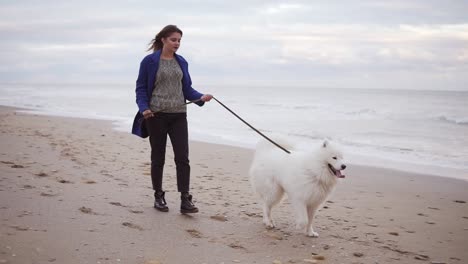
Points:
x=453, y=120
x=364, y=111
x=310, y=136
x=285, y=106
x=382, y=147
x=268, y=105
x=304, y=107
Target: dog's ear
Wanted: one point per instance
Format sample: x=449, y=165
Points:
x=325, y=143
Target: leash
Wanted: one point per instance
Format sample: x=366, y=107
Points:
x=232, y=112
x=254, y=129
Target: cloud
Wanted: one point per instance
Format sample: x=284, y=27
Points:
x=352, y=43
x=280, y=8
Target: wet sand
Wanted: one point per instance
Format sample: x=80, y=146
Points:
x=76, y=191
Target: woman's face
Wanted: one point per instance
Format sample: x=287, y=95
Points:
x=172, y=42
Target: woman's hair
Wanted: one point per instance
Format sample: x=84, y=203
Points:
x=156, y=43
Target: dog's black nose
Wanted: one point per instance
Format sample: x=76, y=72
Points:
x=343, y=166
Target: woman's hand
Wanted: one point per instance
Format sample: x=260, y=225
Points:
x=147, y=114
x=206, y=97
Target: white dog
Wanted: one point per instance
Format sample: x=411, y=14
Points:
x=307, y=177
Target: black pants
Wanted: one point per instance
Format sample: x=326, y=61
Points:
x=174, y=125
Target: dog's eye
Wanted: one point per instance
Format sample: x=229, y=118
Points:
x=334, y=158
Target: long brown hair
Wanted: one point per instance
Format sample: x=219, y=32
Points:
x=156, y=43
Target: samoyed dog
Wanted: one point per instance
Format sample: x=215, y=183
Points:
x=307, y=177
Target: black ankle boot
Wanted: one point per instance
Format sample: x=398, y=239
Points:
x=160, y=201
x=186, y=204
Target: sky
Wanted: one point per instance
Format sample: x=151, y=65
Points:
x=398, y=44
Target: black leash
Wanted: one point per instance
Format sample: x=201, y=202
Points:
x=232, y=112
x=256, y=130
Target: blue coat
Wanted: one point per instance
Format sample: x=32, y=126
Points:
x=145, y=86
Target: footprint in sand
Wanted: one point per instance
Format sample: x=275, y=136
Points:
x=358, y=254
x=132, y=225
x=220, y=218
x=316, y=257
x=63, y=181
x=236, y=245
x=421, y=257
x=117, y=204
x=24, y=213
x=194, y=233
x=41, y=174
x=20, y=228
x=89, y=182
x=273, y=235
x=253, y=214
x=87, y=210
x=48, y=194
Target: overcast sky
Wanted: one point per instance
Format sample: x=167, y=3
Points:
x=405, y=44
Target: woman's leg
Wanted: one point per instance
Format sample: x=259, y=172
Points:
x=178, y=133
x=157, y=129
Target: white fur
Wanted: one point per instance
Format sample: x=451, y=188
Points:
x=303, y=175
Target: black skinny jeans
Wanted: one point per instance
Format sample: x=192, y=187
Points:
x=174, y=125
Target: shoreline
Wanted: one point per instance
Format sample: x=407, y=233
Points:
x=358, y=160
x=78, y=178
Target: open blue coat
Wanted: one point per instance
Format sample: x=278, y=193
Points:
x=145, y=86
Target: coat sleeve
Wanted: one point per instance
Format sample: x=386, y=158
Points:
x=141, y=90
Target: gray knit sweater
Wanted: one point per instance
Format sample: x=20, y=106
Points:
x=167, y=94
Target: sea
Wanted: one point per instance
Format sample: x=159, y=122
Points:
x=419, y=131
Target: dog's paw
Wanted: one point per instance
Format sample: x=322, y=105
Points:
x=269, y=223
x=312, y=233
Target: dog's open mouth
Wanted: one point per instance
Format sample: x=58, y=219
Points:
x=337, y=173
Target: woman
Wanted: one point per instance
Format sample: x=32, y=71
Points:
x=162, y=87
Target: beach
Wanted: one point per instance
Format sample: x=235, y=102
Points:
x=74, y=190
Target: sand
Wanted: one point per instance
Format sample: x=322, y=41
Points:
x=77, y=191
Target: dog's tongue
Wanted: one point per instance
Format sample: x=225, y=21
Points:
x=338, y=174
